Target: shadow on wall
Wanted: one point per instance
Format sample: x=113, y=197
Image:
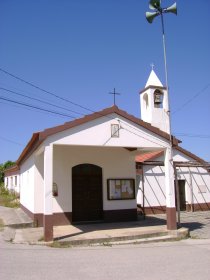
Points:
x=199, y=190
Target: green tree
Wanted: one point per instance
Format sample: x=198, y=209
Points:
x=3, y=167
x=1, y=173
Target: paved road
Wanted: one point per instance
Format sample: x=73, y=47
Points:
x=187, y=259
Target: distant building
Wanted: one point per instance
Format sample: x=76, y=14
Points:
x=12, y=179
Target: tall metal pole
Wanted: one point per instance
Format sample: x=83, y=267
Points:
x=170, y=171
x=169, y=118
x=166, y=76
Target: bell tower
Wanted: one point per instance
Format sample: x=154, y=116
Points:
x=154, y=100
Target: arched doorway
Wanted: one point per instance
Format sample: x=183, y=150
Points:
x=87, y=198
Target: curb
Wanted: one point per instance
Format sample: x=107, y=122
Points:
x=175, y=235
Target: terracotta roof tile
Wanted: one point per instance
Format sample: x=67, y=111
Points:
x=148, y=156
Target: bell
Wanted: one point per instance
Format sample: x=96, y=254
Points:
x=157, y=97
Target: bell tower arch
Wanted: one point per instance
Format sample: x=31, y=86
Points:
x=153, y=103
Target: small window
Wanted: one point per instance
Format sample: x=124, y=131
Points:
x=146, y=100
x=15, y=180
x=115, y=130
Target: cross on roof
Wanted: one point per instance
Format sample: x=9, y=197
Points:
x=152, y=65
x=114, y=93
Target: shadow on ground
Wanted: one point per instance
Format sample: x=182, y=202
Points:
x=142, y=221
x=192, y=225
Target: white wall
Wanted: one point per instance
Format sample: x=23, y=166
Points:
x=197, y=183
x=27, y=184
x=154, y=187
x=98, y=133
x=115, y=163
x=158, y=117
x=39, y=183
x=197, y=180
x=12, y=182
x=87, y=143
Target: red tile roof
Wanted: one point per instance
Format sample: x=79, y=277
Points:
x=148, y=156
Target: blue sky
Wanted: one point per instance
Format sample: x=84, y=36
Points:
x=82, y=49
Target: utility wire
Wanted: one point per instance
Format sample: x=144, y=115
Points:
x=35, y=107
x=37, y=99
x=11, y=141
x=45, y=91
x=142, y=137
x=25, y=108
x=67, y=100
x=83, y=107
x=191, y=99
x=193, y=135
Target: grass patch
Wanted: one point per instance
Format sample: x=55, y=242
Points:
x=57, y=244
x=1, y=224
x=8, y=199
x=41, y=239
x=107, y=244
x=194, y=237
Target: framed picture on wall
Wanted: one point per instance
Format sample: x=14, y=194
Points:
x=120, y=189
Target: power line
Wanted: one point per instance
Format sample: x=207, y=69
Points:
x=193, y=135
x=36, y=107
x=45, y=91
x=25, y=108
x=142, y=137
x=11, y=141
x=191, y=99
x=83, y=107
x=37, y=99
x=67, y=100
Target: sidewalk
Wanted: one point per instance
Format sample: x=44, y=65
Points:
x=152, y=229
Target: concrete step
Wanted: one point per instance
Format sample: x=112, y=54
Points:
x=139, y=241
x=129, y=239
x=17, y=218
x=8, y=234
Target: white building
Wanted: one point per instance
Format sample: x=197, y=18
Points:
x=12, y=179
x=192, y=176
x=193, y=182
x=85, y=170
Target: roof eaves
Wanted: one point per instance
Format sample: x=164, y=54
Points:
x=30, y=147
x=191, y=155
x=39, y=137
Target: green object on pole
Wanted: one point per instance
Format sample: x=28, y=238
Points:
x=155, y=5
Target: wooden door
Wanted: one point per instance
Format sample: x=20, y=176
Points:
x=87, y=200
x=182, y=197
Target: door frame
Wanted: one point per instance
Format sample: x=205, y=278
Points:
x=84, y=198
